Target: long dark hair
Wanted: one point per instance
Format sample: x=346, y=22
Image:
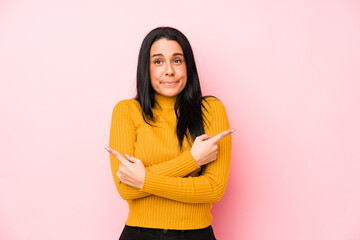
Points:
x=188, y=106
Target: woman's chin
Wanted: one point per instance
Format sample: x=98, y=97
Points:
x=169, y=92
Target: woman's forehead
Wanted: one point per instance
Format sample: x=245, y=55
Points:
x=165, y=47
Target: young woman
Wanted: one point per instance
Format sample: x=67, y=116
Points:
x=169, y=149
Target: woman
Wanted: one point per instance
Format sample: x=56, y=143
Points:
x=164, y=160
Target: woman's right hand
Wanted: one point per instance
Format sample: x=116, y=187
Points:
x=204, y=148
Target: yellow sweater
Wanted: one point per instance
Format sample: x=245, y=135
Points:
x=174, y=196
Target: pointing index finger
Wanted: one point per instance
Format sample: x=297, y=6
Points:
x=222, y=135
x=116, y=154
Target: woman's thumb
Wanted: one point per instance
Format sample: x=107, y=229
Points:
x=130, y=158
x=204, y=137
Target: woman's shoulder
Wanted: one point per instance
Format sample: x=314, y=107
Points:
x=214, y=113
x=212, y=102
x=127, y=104
x=213, y=108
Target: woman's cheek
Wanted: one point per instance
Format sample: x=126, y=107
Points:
x=156, y=73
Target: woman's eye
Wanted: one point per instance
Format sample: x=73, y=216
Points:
x=157, y=61
x=177, y=60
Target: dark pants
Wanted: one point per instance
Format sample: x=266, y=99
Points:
x=138, y=233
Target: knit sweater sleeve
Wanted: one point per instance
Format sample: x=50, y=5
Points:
x=122, y=139
x=210, y=185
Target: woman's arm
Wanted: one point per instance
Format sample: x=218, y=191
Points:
x=166, y=169
x=210, y=186
x=122, y=139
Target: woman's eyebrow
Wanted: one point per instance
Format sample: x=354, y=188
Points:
x=157, y=54
x=161, y=55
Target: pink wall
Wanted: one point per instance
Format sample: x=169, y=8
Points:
x=287, y=71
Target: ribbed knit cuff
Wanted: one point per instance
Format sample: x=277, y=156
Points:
x=188, y=163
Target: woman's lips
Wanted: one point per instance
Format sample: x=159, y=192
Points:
x=170, y=83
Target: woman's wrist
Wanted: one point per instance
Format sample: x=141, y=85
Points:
x=196, y=158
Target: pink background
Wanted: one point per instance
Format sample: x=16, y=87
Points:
x=287, y=71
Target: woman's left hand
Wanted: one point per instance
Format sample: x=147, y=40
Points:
x=131, y=170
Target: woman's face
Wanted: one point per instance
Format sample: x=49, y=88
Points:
x=167, y=67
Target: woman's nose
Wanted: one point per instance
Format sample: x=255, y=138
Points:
x=169, y=69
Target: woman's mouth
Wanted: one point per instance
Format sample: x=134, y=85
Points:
x=170, y=83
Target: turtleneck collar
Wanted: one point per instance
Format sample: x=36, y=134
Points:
x=164, y=101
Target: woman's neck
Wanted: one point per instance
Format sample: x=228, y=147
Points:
x=164, y=101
